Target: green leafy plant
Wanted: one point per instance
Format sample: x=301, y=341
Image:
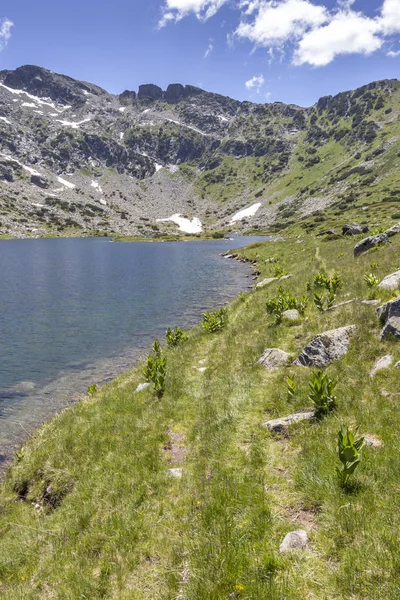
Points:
x=349, y=450
x=279, y=271
x=155, y=369
x=19, y=455
x=332, y=285
x=319, y=302
x=322, y=393
x=285, y=301
x=371, y=280
x=174, y=338
x=214, y=321
x=291, y=387
x=92, y=389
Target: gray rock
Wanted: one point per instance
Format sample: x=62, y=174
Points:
x=295, y=540
x=327, y=232
x=381, y=363
x=174, y=92
x=40, y=181
x=281, y=425
x=390, y=282
x=370, y=242
x=372, y=440
x=392, y=328
x=388, y=310
x=291, y=315
x=266, y=282
x=142, y=386
x=397, y=365
x=354, y=229
x=371, y=302
x=393, y=230
x=326, y=347
x=273, y=358
x=151, y=91
x=175, y=473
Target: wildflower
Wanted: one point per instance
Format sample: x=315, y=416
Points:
x=239, y=588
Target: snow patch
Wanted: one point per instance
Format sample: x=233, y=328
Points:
x=103, y=202
x=121, y=135
x=96, y=186
x=67, y=184
x=36, y=99
x=122, y=109
x=246, y=212
x=29, y=104
x=158, y=167
x=186, y=225
x=72, y=124
x=5, y=120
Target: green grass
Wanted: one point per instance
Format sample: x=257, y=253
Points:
x=90, y=512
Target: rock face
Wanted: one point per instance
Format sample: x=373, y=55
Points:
x=354, y=229
x=281, y=425
x=388, y=310
x=392, y=328
x=391, y=282
x=295, y=540
x=273, y=358
x=326, y=347
x=128, y=95
x=150, y=91
x=174, y=92
x=381, y=363
x=370, y=242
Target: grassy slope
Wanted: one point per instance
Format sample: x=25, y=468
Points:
x=89, y=511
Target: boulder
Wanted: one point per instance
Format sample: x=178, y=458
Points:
x=326, y=347
x=381, y=363
x=291, y=315
x=265, y=282
x=354, y=229
x=273, y=358
x=392, y=328
x=281, y=425
x=150, y=91
x=390, y=282
x=370, y=242
x=388, y=310
x=393, y=230
x=295, y=540
x=40, y=181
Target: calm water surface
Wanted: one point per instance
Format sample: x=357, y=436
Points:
x=78, y=311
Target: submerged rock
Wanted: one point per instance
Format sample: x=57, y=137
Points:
x=371, y=242
x=295, y=540
x=281, y=425
x=273, y=358
x=326, y=347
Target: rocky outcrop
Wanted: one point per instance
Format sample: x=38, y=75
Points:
x=274, y=358
x=174, y=93
x=326, y=347
x=40, y=181
x=393, y=230
x=127, y=96
x=354, y=229
x=150, y=91
x=371, y=242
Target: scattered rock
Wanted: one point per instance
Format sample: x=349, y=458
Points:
x=327, y=232
x=392, y=328
x=266, y=282
x=370, y=242
x=391, y=282
x=288, y=276
x=354, y=229
x=273, y=358
x=142, y=386
x=295, y=540
x=371, y=302
x=393, y=230
x=335, y=306
x=389, y=309
x=291, y=315
x=176, y=473
x=372, y=440
x=381, y=363
x=40, y=181
x=326, y=347
x=281, y=425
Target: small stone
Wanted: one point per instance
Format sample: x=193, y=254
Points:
x=266, y=282
x=295, y=540
x=281, y=425
x=372, y=440
x=274, y=358
x=381, y=363
x=392, y=328
x=391, y=282
x=176, y=473
x=200, y=369
x=370, y=242
x=142, y=386
x=326, y=347
x=291, y=315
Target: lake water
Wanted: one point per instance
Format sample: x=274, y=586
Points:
x=79, y=311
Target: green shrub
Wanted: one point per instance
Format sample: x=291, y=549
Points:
x=371, y=280
x=285, y=301
x=174, y=338
x=349, y=450
x=92, y=389
x=214, y=321
x=321, y=393
x=291, y=387
x=155, y=369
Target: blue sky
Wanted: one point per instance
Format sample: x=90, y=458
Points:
x=292, y=51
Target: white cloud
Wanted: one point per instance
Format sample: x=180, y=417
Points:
x=5, y=32
x=393, y=53
x=175, y=10
x=347, y=33
x=210, y=48
x=255, y=83
x=390, y=20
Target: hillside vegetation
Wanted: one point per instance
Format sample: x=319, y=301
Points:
x=90, y=509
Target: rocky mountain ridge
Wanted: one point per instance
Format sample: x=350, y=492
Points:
x=75, y=159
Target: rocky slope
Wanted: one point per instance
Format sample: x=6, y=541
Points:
x=75, y=159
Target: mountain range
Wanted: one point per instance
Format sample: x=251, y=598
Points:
x=77, y=160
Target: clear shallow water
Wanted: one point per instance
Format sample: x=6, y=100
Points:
x=79, y=311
